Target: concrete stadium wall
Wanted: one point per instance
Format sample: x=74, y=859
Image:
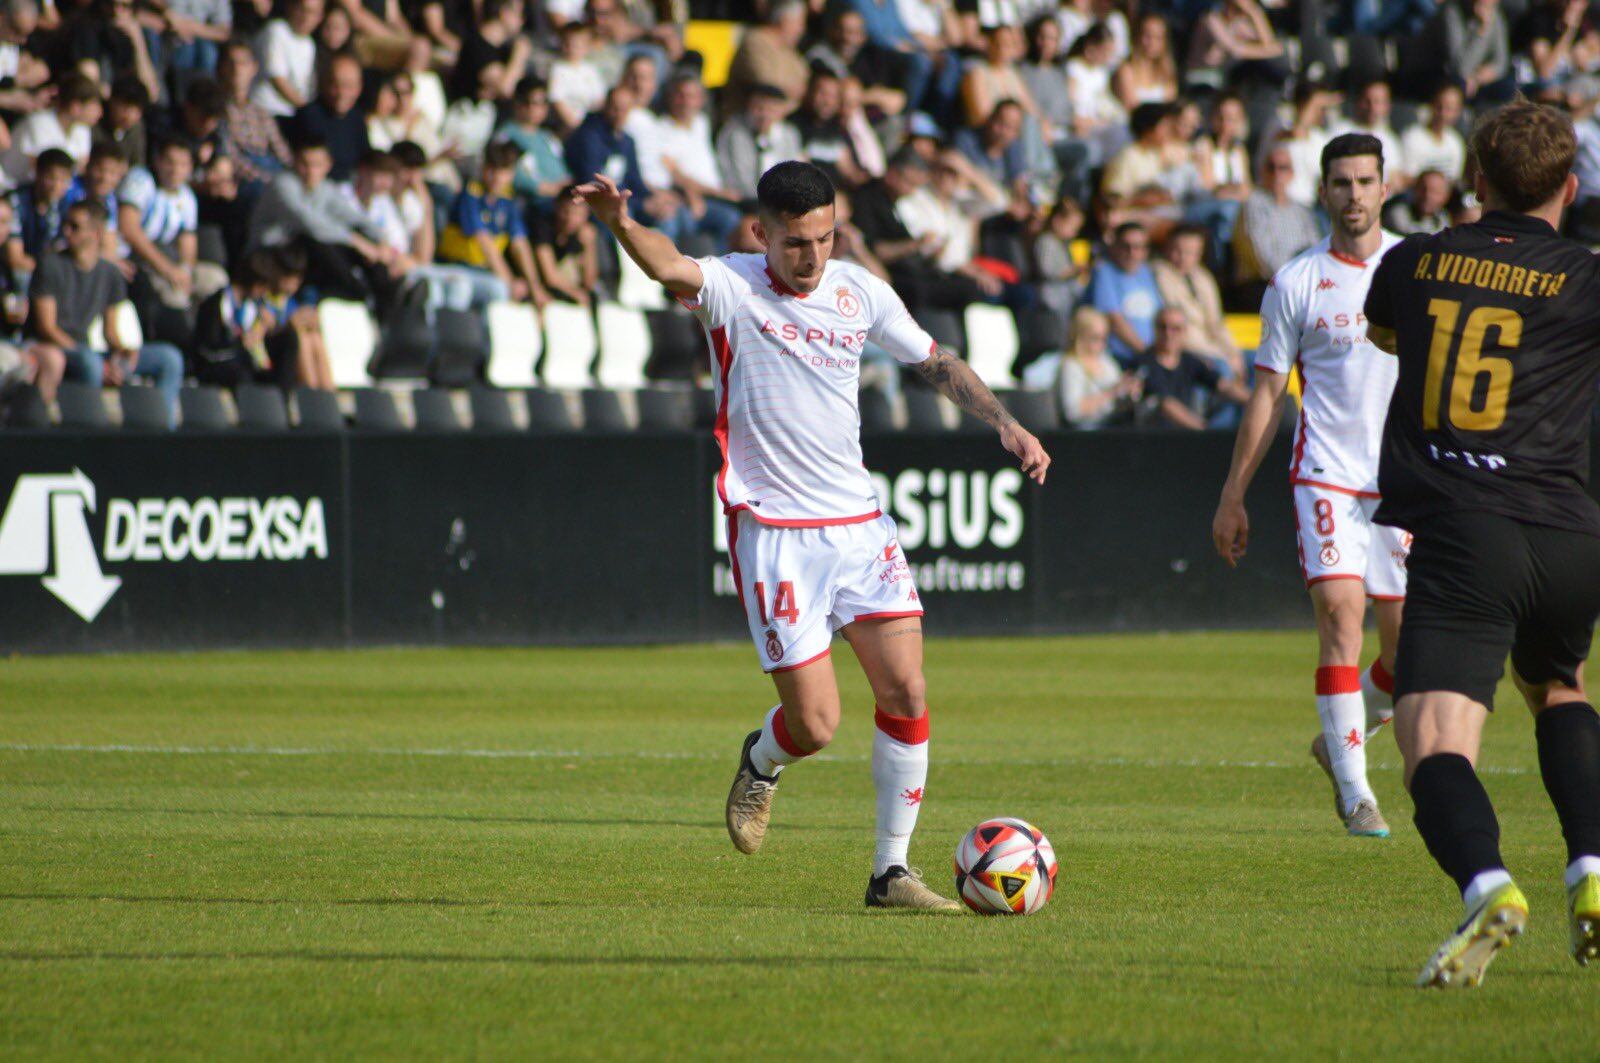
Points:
x=129, y=542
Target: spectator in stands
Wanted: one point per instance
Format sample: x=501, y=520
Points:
x=1373, y=106
x=769, y=54
x=1149, y=74
x=123, y=119
x=577, y=87
x=100, y=181
x=823, y=139
x=1179, y=388
x=224, y=225
x=469, y=122
x=312, y=367
x=845, y=51
x=1234, y=43
x=193, y=33
x=28, y=72
x=288, y=53
x=1062, y=276
x=196, y=123
x=996, y=148
x=1272, y=229
x=1138, y=173
x=885, y=30
x=1094, y=391
x=1437, y=144
x=756, y=140
x=67, y=124
x=1043, y=72
x=487, y=240
x=996, y=78
x=864, y=141
x=303, y=207
x=542, y=170
x=335, y=36
x=334, y=117
x=158, y=218
x=1305, y=139
x=497, y=40
x=1123, y=287
x=372, y=191
x=564, y=247
x=1224, y=165
x=683, y=159
x=382, y=34
x=1468, y=42
x=73, y=288
x=1424, y=208
x=395, y=117
x=1097, y=115
x=236, y=340
x=945, y=212
x=1557, y=39
x=909, y=259
x=106, y=40
x=39, y=209
x=250, y=135
x=1187, y=286
x=42, y=365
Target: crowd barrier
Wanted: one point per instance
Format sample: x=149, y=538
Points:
x=137, y=542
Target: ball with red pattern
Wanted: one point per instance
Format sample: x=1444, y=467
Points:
x=1005, y=866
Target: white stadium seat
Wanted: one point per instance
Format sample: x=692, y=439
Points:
x=570, y=344
x=992, y=344
x=128, y=328
x=624, y=347
x=515, y=343
x=636, y=290
x=351, y=336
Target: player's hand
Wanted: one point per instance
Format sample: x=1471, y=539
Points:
x=1230, y=530
x=609, y=203
x=1021, y=442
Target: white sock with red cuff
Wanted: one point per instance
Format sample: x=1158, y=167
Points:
x=1344, y=717
x=774, y=749
x=899, y=773
x=1377, y=691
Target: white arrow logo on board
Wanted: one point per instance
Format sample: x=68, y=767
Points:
x=57, y=503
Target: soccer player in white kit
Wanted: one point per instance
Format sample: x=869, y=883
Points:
x=811, y=551
x=1313, y=318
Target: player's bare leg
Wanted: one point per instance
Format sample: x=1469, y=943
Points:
x=890, y=652
x=803, y=722
x=1341, y=747
x=1377, y=681
x=1439, y=734
x=1568, y=734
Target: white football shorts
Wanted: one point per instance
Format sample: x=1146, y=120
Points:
x=1338, y=540
x=800, y=585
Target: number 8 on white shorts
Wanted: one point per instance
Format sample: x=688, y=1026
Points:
x=1338, y=540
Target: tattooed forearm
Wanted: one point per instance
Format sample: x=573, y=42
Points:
x=955, y=379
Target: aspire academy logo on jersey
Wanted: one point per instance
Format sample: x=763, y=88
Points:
x=45, y=532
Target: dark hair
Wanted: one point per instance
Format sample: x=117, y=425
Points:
x=1095, y=34
x=310, y=142
x=378, y=162
x=129, y=90
x=206, y=96
x=1186, y=229
x=1525, y=151
x=527, y=87
x=76, y=87
x=1146, y=117
x=106, y=149
x=764, y=90
x=53, y=159
x=409, y=154
x=1001, y=105
x=1127, y=227
x=173, y=144
x=259, y=267
x=500, y=155
x=791, y=189
x=95, y=209
x=291, y=259
x=1350, y=146
x=906, y=157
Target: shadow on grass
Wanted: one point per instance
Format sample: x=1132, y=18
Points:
x=774, y=963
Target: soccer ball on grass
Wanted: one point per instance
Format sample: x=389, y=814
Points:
x=1005, y=867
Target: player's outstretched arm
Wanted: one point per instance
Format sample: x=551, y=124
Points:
x=657, y=255
x=1230, y=528
x=956, y=381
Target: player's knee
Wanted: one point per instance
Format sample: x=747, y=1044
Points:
x=813, y=729
x=904, y=696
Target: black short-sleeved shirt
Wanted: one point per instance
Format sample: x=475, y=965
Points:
x=1498, y=330
x=1180, y=381
x=873, y=212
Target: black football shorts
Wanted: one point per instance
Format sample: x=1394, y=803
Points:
x=1479, y=584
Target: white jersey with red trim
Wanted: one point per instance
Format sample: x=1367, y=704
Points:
x=787, y=372
x=1313, y=317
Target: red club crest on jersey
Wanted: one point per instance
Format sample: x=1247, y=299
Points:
x=774, y=647
x=849, y=305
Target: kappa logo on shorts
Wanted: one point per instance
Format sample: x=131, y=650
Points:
x=1329, y=555
x=774, y=646
x=849, y=305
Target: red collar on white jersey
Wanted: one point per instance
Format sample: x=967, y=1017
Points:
x=781, y=288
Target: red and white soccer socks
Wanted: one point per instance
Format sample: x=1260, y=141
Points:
x=899, y=774
x=775, y=748
x=1377, y=691
x=1343, y=713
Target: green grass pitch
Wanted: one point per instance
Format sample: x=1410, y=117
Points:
x=269, y=855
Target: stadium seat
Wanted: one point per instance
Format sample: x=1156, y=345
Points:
x=666, y=409
x=204, y=409
x=624, y=347
x=492, y=410
x=24, y=407
x=515, y=343
x=678, y=345
x=925, y=410
x=317, y=411
x=570, y=344
x=434, y=410
x=991, y=343
x=603, y=411
x=129, y=329
x=548, y=412
x=83, y=407
x=945, y=327
x=407, y=346
x=351, y=336
x=144, y=409
x=1036, y=409
x=717, y=42
x=378, y=411
x=877, y=412
x=1040, y=331
x=637, y=291
x=261, y=409
x=705, y=408
x=462, y=349
x=1245, y=330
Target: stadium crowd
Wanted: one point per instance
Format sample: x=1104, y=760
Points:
x=1117, y=177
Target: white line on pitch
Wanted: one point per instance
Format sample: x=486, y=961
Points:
x=578, y=754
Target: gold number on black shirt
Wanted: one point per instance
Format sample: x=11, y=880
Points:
x=1470, y=364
